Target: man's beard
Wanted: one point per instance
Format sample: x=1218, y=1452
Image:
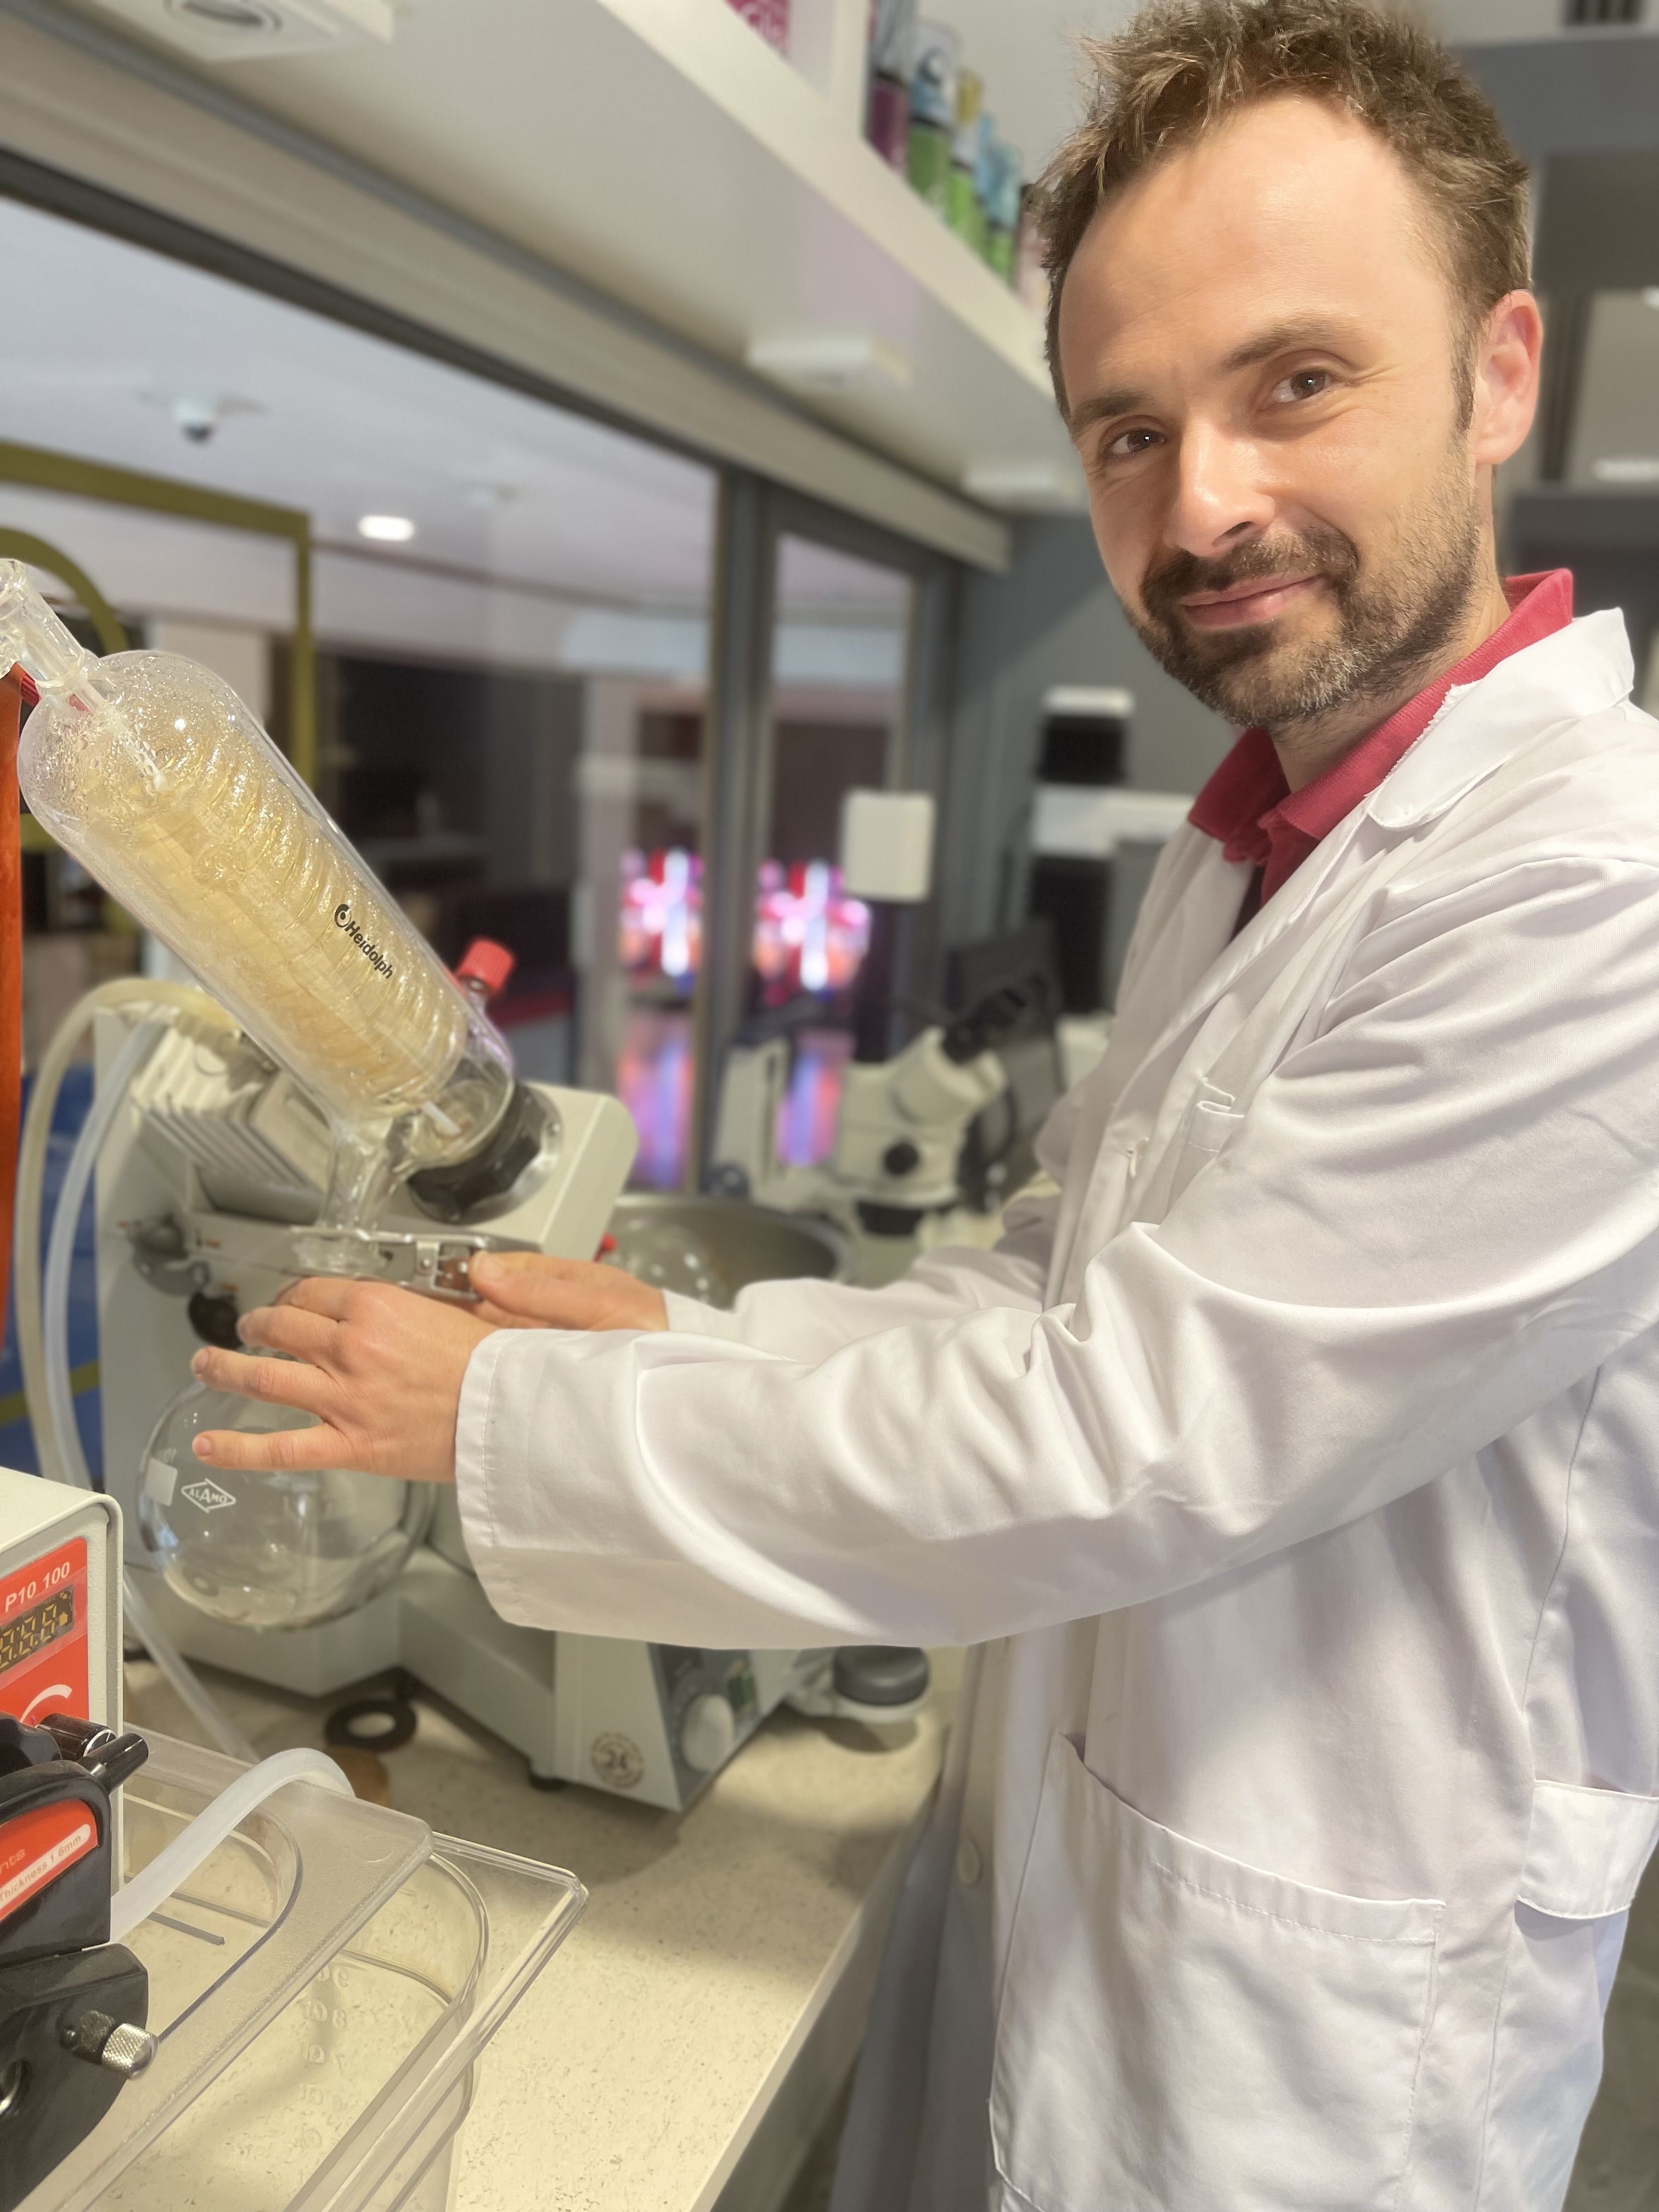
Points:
x=1388, y=628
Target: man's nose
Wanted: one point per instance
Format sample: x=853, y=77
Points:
x=1220, y=496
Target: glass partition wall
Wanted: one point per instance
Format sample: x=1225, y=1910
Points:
x=511, y=606
x=840, y=648
x=572, y=691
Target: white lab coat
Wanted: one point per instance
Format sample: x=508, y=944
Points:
x=1295, y=1464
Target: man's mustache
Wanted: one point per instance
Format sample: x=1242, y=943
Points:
x=1324, y=553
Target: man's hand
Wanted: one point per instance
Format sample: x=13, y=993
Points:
x=381, y=1369
x=527, y=1290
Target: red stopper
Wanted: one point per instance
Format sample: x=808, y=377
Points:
x=487, y=962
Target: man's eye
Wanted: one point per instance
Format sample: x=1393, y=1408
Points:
x=1303, y=384
x=1128, y=443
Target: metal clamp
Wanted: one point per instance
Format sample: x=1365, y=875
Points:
x=436, y=1263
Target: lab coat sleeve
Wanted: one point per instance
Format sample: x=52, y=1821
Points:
x=1438, y=1211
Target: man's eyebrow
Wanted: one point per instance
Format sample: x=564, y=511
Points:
x=1279, y=337
x=1283, y=338
x=1101, y=407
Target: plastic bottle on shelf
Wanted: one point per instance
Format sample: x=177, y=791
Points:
x=152, y=773
x=769, y=17
x=964, y=209
x=892, y=45
x=936, y=60
x=1004, y=172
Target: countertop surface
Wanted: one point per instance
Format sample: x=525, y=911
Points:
x=636, y=2066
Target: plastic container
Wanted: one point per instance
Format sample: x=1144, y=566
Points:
x=769, y=17
x=888, y=123
x=156, y=776
x=1004, y=172
x=935, y=61
x=322, y=1989
x=892, y=38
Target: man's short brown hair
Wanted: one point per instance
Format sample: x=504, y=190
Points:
x=1182, y=66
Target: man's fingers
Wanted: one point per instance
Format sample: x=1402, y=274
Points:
x=284, y=1451
x=498, y=1316
x=273, y=1381
x=320, y=1294
x=289, y=1328
x=530, y=1286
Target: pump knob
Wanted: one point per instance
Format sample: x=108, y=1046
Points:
x=116, y=2044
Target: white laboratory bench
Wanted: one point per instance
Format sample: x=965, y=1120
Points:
x=685, y=2044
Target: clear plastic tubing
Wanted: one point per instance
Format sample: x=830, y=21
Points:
x=60, y=1248
x=156, y=776
x=43, y=1321
x=149, y=1891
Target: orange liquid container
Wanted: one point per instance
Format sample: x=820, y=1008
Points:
x=153, y=775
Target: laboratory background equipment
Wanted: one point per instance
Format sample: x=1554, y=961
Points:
x=244, y=1139
x=904, y=1116
x=221, y=1986
x=1092, y=842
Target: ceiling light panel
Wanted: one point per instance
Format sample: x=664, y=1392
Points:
x=251, y=30
x=386, y=529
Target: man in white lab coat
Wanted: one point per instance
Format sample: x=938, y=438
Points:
x=1291, y=1465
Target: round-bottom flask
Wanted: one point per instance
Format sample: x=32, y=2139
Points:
x=269, y=1550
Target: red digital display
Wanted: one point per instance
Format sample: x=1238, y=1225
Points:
x=43, y=1635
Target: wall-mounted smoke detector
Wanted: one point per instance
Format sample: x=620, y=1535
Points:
x=248, y=30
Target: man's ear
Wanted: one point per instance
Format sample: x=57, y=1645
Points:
x=1506, y=356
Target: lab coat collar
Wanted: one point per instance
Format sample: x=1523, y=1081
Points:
x=1575, y=672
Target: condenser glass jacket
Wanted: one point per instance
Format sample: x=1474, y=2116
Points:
x=1295, y=1465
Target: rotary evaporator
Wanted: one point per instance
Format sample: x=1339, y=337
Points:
x=332, y=1101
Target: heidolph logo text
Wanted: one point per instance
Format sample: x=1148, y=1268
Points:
x=370, y=950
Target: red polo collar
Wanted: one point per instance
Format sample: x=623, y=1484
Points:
x=1248, y=806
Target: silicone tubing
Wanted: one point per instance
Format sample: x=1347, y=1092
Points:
x=149, y=1891
x=172, y=1000
x=60, y=1252
x=11, y=962
x=43, y=1323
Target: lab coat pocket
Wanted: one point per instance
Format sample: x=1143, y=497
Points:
x=1178, y=2030
x=1209, y=1132
x=1586, y=1850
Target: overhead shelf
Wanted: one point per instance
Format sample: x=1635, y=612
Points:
x=826, y=241
x=661, y=151
x=735, y=84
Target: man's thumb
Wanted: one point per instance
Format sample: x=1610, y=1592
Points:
x=520, y=1284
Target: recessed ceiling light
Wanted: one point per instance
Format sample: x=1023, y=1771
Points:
x=830, y=361
x=386, y=529
x=1626, y=468
x=1016, y=485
